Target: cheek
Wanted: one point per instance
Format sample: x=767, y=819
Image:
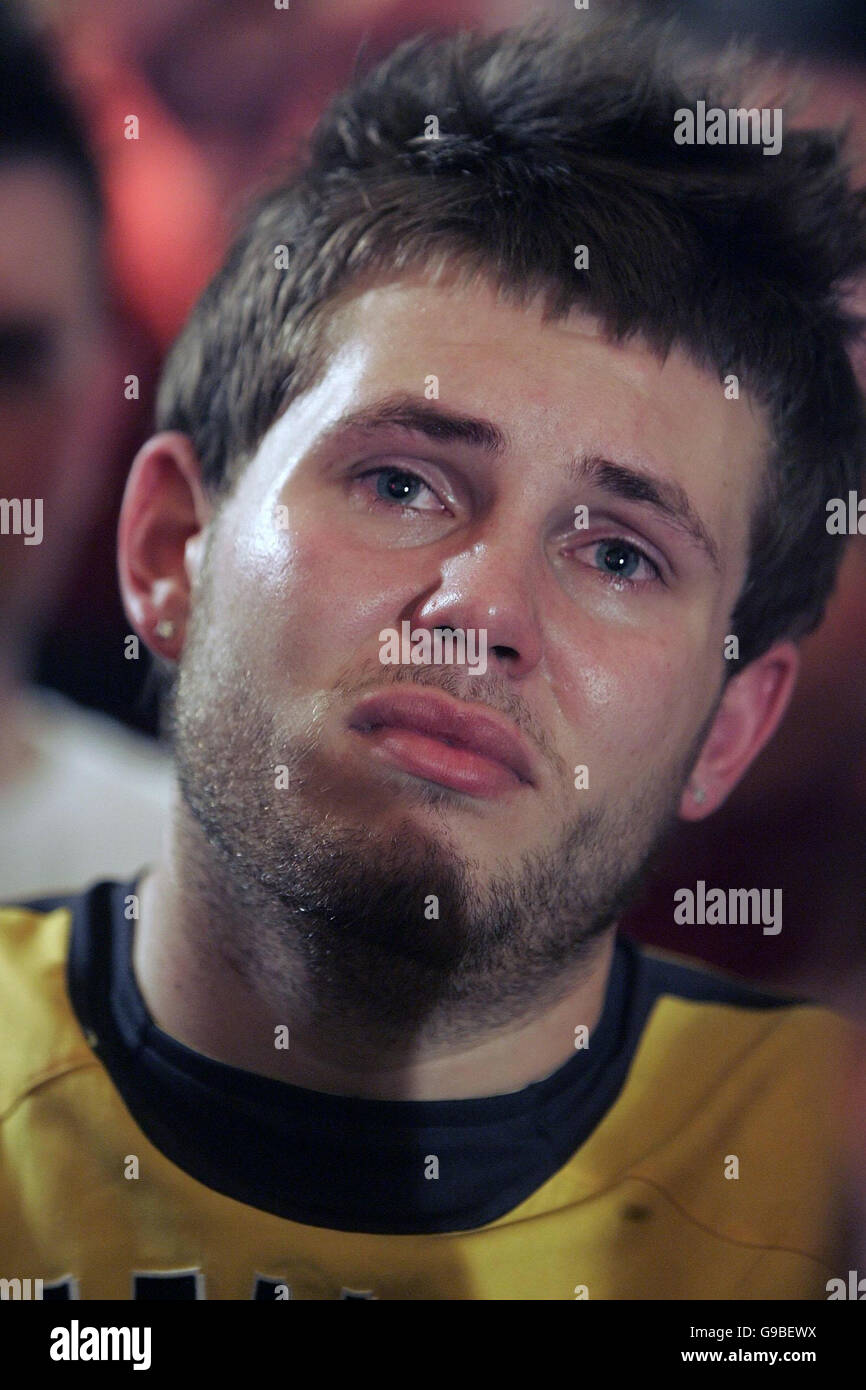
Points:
x=309, y=605
x=626, y=704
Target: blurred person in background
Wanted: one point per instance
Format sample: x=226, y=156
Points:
x=224, y=91
x=76, y=791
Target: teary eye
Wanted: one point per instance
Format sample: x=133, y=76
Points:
x=618, y=558
x=396, y=486
x=617, y=561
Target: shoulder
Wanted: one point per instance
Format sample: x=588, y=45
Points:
x=40, y=1037
x=716, y=1018
x=734, y=1108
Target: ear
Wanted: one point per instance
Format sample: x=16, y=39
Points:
x=163, y=519
x=747, y=717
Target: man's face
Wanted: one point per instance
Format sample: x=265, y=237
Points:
x=604, y=639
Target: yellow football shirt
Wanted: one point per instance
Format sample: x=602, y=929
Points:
x=691, y=1150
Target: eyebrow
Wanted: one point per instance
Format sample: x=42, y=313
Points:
x=410, y=412
x=665, y=496
x=631, y=483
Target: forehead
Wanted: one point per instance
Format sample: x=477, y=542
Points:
x=539, y=374
x=555, y=388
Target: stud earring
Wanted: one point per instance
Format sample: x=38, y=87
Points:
x=699, y=795
x=164, y=628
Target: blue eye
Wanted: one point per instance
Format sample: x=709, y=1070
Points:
x=392, y=485
x=618, y=558
x=619, y=562
x=399, y=491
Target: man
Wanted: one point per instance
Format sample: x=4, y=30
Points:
x=505, y=364
x=77, y=793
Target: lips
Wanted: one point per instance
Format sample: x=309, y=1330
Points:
x=443, y=740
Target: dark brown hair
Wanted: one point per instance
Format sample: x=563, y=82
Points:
x=549, y=138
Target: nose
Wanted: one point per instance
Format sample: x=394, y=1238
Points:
x=488, y=586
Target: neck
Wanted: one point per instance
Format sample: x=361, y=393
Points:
x=208, y=982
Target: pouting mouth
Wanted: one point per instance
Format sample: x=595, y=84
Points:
x=450, y=721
